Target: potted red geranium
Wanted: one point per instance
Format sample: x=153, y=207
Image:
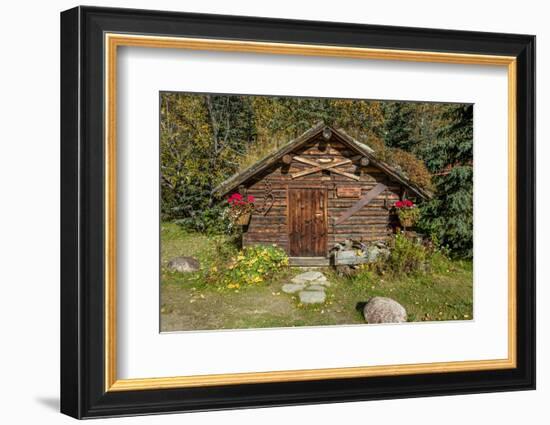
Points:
x=407, y=212
x=240, y=208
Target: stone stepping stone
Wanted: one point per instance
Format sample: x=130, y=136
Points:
x=291, y=288
x=311, y=276
x=315, y=288
x=312, y=297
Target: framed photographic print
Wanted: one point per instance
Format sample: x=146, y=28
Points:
x=261, y=212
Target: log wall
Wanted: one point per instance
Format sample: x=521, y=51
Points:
x=373, y=222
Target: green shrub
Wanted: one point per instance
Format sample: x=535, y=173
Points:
x=210, y=221
x=411, y=256
x=407, y=255
x=251, y=266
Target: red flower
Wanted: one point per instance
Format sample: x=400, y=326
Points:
x=235, y=199
x=406, y=203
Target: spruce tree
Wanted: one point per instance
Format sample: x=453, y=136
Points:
x=399, y=125
x=449, y=216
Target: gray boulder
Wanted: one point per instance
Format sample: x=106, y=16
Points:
x=384, y=310
x=184, y=264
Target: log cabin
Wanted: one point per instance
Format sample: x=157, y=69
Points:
x=318, y=190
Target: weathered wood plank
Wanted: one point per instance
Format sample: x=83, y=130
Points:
x=309, y=261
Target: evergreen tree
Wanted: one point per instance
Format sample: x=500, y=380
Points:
x=399, y=125
x=449, y=216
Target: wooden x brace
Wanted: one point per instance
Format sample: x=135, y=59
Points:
x=318, y=167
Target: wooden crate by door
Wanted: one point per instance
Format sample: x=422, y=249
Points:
x=307, y=222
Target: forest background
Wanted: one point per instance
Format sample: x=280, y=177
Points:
x=206, y=138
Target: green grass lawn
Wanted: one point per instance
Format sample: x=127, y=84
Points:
x=189, y=303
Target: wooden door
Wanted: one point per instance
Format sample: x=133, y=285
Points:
x=307, y=222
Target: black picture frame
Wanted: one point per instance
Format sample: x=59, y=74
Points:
x=83, y=392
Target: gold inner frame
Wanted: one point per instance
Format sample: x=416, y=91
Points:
x=113, y=41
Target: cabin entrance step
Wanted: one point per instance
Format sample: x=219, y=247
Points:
x=309, y=261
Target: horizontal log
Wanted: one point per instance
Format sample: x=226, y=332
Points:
x=358, y=235
x=378, y=213
x=364, y=190
x=338, y=239
x=277, y=203
x=275, y=210
x=363, y=230
x=278, y=216
x=259, y=194
x=364, y=221
x=366, y=226
x=370, y=229
x=266, y=228
x=267, y=219
x=348, y=203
